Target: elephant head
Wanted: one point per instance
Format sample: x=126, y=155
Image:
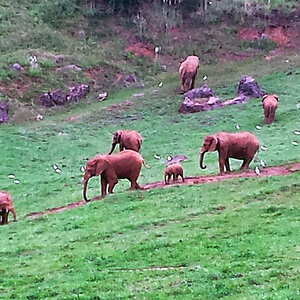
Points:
x=209, y=145
x=94, y=167
x=116, y=139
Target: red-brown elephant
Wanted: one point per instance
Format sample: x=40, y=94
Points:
x=241, y=145
x=187, y=72
x=128, y=139
x=174, y=170
x=126, y=164
x=270, y=104
x=6, y=206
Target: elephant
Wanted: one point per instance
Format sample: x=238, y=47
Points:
x=187, y=72
x=270, y=104
x=241, y=145
x=126, y=164
x=174, y=170
x=6, y=206
x=128, y=139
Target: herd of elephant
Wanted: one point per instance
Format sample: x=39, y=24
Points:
x=128, y=162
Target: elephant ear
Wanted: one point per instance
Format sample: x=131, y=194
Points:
x=101, y=166
x=264, y=97
x=276, y=97
x=213, y=143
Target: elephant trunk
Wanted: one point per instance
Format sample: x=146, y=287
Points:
x=201, y=160
x=113, y=145
x=85, y=183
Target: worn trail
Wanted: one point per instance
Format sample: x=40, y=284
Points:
x=266, y=172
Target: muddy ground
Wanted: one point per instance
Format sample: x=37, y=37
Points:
x=265, y=172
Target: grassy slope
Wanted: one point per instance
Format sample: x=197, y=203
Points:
x=105, y=250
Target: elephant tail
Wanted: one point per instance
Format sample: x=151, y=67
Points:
x=148, y=167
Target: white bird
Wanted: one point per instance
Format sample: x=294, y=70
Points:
x=237, y=126
x=263, y=148
x=58, y=171
x=169, y=157
x=156, y=156
x=257, y=170
x=160, y=84
x=11, y=176
x=16, y=181
x=54, y=167
x=82, y=169
x=297, y=132
x=295, y=143
x=156, y=50
x=204, y=77
x=258, y=127
x=262, y=163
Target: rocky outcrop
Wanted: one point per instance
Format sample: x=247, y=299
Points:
x=249, y=87
x=58, y=97
x=3, y=112
x=204, y=99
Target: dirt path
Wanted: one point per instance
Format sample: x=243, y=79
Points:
x=265, y=172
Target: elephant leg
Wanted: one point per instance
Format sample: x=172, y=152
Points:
x=166, y=182
x=5, y=217
x=2, y=216
x=193, y=82
x=134, y=185
x=121, y=147
x=174, y=177
x=221, y=165
x=111, y=185
x=227, y=165
x=104, y=183
x=181, y=175
x=246, y=163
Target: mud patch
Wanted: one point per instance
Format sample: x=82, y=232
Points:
x=141, y=50
x=269, y=171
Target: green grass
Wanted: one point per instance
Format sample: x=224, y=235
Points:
x=160, y=244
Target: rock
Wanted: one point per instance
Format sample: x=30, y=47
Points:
x=17, y=67
x=203, y=92
x=45, y=100
x=70, y=67
x=138, y=95
x=249, y=87
x=77, y=92
x=129, y=80
x=57, y=97
x=3, y=112
x=239, y=99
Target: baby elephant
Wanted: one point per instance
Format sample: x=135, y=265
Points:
x=174, y=170
x=270, y=103
x=6, y=206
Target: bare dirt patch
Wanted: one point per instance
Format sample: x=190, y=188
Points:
x=266, y=172
x=140, y=49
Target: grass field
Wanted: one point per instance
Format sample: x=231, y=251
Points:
x=237, y=239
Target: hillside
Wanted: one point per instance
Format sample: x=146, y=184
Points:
x=100, y=49
x=234, y=236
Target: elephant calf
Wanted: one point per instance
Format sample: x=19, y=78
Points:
x=270, y=104
x=241, y=145
x=174, y=170
x=126, y=164
x=6, y=206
